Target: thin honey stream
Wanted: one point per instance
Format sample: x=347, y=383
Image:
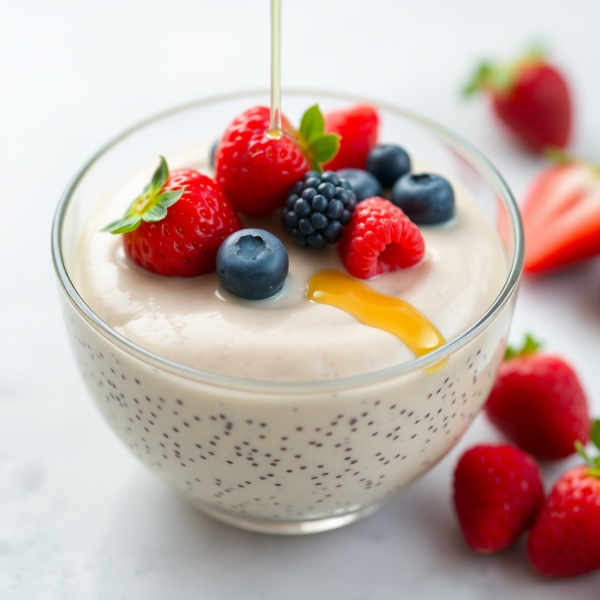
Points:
x=394, y=315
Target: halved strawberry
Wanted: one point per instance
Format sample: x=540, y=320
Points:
x=561, y=215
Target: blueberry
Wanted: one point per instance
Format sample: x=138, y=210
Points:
x=388, y=162
x=252, y=263
x=317, y=208
x=362, y=183
x=426, y=199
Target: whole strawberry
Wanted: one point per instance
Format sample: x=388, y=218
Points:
x=561, y=215
x=565, y=540
x=537, y=401
x=175, y=227
x=531, y=97
x=256, y=171
x=358, y=128
x=497, y=494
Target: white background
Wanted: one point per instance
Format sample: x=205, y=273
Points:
x=79, y=517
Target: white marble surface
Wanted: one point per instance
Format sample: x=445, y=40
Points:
x=79, y=517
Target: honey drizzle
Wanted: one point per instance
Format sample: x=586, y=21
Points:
x=394, y=315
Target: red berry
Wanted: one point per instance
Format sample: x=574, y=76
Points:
x=539, y=404
x=177, y=224
x=565, y=540
x=497, y=494
x=560, y=215
x=531, y=98
x=256, y=171
x=359, y=130
x=378, y=239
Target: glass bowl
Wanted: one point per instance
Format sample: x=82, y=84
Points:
x=283, y=457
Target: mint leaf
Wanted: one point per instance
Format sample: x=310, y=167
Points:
x=129, y=223
x=160, y=175
x=325, y=148
x=312, y=125
x=595, y=438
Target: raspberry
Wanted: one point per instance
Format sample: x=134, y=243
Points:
x=378, y=239
x=498, y=493
x=317, y=208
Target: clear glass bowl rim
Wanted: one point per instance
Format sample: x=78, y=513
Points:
x=291, y=387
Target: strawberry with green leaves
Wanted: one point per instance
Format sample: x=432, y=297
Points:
x=255, y=170
x=531, y=97
x=565, y=540
x=176, y=225
x=538, y=402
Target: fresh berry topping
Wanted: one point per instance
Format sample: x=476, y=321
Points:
x=359, y=128
x=565, y=540
x=537, y=401
x=363, y=184
x=560, y=215
x=317, y=208
x=378, y=239
x=388, y=162
x=256, y=171
x=252, y=263
x=498, y=492
x=427, y=199
x=177, y=224
x=531, y=98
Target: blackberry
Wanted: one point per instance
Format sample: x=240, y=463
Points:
x=317, y=208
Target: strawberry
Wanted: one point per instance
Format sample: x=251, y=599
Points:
x=176, y=225
x=531, y=97
x=537, y=401
x=565, y=540
x=497, y=494
x=561, y=215
x=378, y=239
x=358, y=128
x=255, y=170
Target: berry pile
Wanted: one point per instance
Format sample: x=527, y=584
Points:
x=186, y=224
x=426, y=199
x=317, y=208
x=538, y=403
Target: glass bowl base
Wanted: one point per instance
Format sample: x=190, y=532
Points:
x=285, y=527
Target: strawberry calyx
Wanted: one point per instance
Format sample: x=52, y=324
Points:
x=560, y=157
x=593, y=463
x=501, y=78
x=318, y=147
x=530, y=346
x=150, y=206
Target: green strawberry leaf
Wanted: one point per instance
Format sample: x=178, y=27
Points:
x=530, y=346
x=169, y=198
x=125, y=225
x=580, y=449
x=595, y=437
x=319, y=147
x=312, y=125
x=325, y=148
x=160, y=175
x=151, y=206
x=156, y=213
